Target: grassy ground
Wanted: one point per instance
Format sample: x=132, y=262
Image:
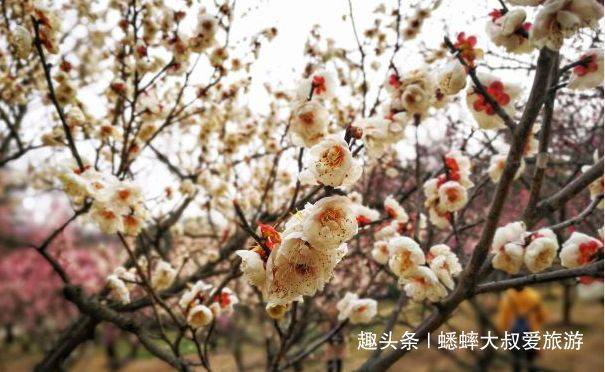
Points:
x=587, y=318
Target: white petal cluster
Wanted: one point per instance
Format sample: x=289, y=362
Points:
x=510, y=31
x=379, y=134
x=413, y=92
x=357, y=310
x=309, y=123
x=507, y=246
x=451, y=77
x=204, y=37
x=513, y=247
x=590, y=74
x=395, y=210
x=559, y=19
x=331, y=163
x=163, y=276
x=194, y=304
x=302, y=262
x=448, y=193
x=504, y=93
x=118, y=289
x=580, y=249
x=422, y=283
x=445, y=264
x=117, y=206
x=541, y=250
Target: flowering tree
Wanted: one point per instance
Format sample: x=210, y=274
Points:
x=368, y=176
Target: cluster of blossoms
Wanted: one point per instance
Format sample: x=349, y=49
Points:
x=356, y=310
x=447, y=193
x=117, y=206
x=513, y=246
x=407, y=260
x=299, y=261
x=122, y=281
x=202, y=303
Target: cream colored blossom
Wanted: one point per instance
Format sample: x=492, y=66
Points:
x=560, y=19
x=422, y=283
x=199, y=316
x=405, y=254
x=504, y=93
x=163, y=276
x=329, y=222
x=541, y=251
x=380, y=252
x=580, y=249
x=590, y=74
x=297, y=268
x=509, y=31
x=379, y=134
x=496, y=167
x=331, y=163
x=309, y=123
x=117, y=289
x=395, y=210
x=253, y=267
x=451, y=77
x=358, y=311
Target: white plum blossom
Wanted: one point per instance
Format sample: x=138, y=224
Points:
x=380, y=252
x=321, y=84
x=163, y=275
x=223, y=302
x=509, y=30
x=580, y=249
x=117, y=289
x=297, y=268
x=253, y=267
x=541, y=250
x=444, y=263
x=422, y=283
x=504, y=93
x=405, y=256
x=589, y=74
x=365, y=215
x=357, y=310
x=452, y=196
x=395, y=210
x=21, y=39
x=560, y=19
x=191, y=297
x=277, y=311
x=507, y=246
x=205, y=32
x=451, y=77
x=309, y=123
x=199, y=316
x=378, y=134
x=331, y=163
x=329, y=222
